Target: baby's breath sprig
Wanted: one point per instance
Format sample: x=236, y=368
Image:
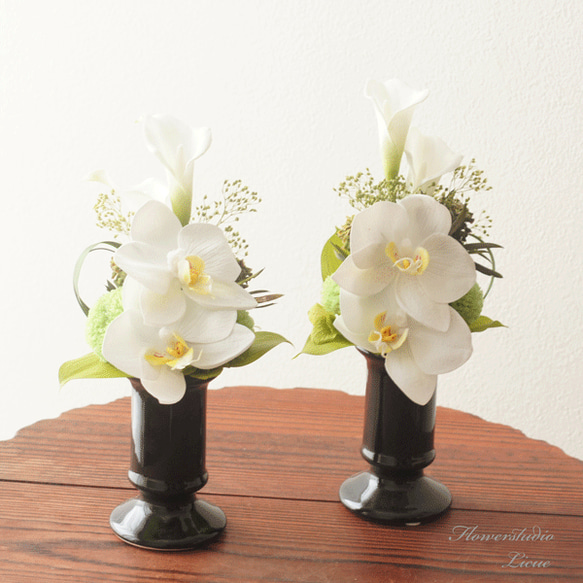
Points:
x=344, y=234
x=471, y=232
x=110, y=215
x=237, y=199
x=465, y=180
x=362, y=190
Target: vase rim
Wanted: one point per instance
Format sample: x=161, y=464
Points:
x=368, y=353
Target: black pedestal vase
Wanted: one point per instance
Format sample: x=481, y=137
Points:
x=398, y=444
x=168, y=467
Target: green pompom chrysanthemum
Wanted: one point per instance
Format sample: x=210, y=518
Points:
x=331, y=296
x=469, y=307
x=245, y=319
x=100, y=316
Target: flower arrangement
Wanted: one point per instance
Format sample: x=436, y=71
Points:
x=400, y=276
x=177, y=302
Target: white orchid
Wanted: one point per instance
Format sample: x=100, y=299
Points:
x=414, y=354
x=177, y=146
x=175, y=264
x=429, y=158
x=158, y=356
x=394, y=103
x=406, y=245
x=159, y=311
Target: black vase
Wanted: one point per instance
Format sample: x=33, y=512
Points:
x=168, y=467
x=398, y=444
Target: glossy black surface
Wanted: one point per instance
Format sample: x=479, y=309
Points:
x=168, y=467
x=398, y=444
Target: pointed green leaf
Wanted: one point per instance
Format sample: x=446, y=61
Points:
x=483, y=323
x=472, y=247
x=89, y=366
x=323, y=322
x=487, y=270
x=203, y=375
x=313, y=348
x=324, y=338
x=263, y=343
x=332, y=256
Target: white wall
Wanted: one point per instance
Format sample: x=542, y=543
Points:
x=281, y=85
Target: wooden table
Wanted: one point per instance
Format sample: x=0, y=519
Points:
x=276, y=459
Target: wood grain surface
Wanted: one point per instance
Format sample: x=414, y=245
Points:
x=276, y=459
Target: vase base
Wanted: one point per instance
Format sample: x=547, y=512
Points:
x=179, y=527
x=398, y=502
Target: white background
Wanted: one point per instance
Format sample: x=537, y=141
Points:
x=281, y=85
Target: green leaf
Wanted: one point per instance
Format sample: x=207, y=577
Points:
x=323, y=322
x=473, y=247
x=487, y=270
x=263, y=343
x=311, y=347
x=483, y=323
x=325, y=338
x=244, y=318
x=459, y=221
x=332, y=256
x=89, y=366
x=203, y=375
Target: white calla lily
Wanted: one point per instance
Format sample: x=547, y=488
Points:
x=414, y=354
x=177, y=146
x=406, y=245
x=158, y=357
x=175, y=264
x=394, y=103
x=134, y=197
x=429, y=158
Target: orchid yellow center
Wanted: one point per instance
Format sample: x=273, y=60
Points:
x=178, y=354
x=413, y=265
x=191, y=274
x=386, y=337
